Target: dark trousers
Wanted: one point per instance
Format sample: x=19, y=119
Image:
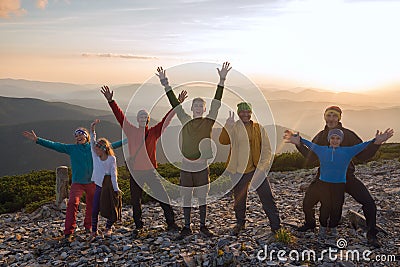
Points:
x=96, y=210
x=332, y=199
x=356, y=189
x=158, y=191
x=264, y=193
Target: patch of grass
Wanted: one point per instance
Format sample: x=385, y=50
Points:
x=284, y=236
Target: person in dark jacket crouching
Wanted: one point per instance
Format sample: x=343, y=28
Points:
x=354, y=186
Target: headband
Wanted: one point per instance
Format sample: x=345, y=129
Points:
x=101, y=146
x=80, y=131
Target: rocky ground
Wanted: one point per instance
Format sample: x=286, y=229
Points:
x=36, y=239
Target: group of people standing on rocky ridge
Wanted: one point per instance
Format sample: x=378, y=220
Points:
x=94, y=166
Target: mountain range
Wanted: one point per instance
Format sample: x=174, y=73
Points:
x=54, y=110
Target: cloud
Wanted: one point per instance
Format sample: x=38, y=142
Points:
x=111, y=55
x=41, y=4
x=8, y=7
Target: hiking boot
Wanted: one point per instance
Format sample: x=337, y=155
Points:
x=69, y=238
x=136, y=232
x=206, y=232
x=305, y=227
x=322, y=232
x=237, y=229
x=94, y=235
x=373, y=241
x=173, y=227
x=186, y=231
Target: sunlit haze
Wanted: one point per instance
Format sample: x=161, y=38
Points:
x=333, y=45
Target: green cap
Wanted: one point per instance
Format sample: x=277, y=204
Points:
x=243, y=106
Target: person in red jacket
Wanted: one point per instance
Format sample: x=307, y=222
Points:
x=142, y=159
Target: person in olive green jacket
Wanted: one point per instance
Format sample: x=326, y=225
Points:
x=196, y=148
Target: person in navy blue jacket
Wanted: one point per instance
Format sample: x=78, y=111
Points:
x=334, y=161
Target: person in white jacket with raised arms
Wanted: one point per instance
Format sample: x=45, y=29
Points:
x=104, y=170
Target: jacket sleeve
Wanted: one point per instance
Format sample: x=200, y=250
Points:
x=224, y=136
x=308, y=154
x=176, y=106
x=354, y=150
x=59, y=147
x=114, y=174
x=368, y=152
x=120, y=116
x=317, y=149
x=93, y=143
x=216, y=103
x=160, y=127
x=119, y=143
x=266, y=152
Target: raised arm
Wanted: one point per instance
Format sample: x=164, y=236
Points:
x=175, y=103
x=162, y=75
x=380, y=138
x=160, y=127
x=291, y=137
x=223, y=72
x=93, y=137
x=59, y=147
x=118, y=113
x=216, y=102
x=308, y=154
x=224, y=137
x=368, y=152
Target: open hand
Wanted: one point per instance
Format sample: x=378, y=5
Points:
x=182, y=96
x=224, y=70
x=30, y=135
x=230, y=121
x=381, y=137
x=107, y=93
x=93, y=125
x=291, y=137
x=161, y=73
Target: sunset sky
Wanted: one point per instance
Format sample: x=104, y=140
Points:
x=328, y=44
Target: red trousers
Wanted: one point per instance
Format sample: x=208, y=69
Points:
x=75, y=195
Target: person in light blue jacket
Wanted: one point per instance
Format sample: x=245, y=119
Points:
x=82, y=168
x=334, y=161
